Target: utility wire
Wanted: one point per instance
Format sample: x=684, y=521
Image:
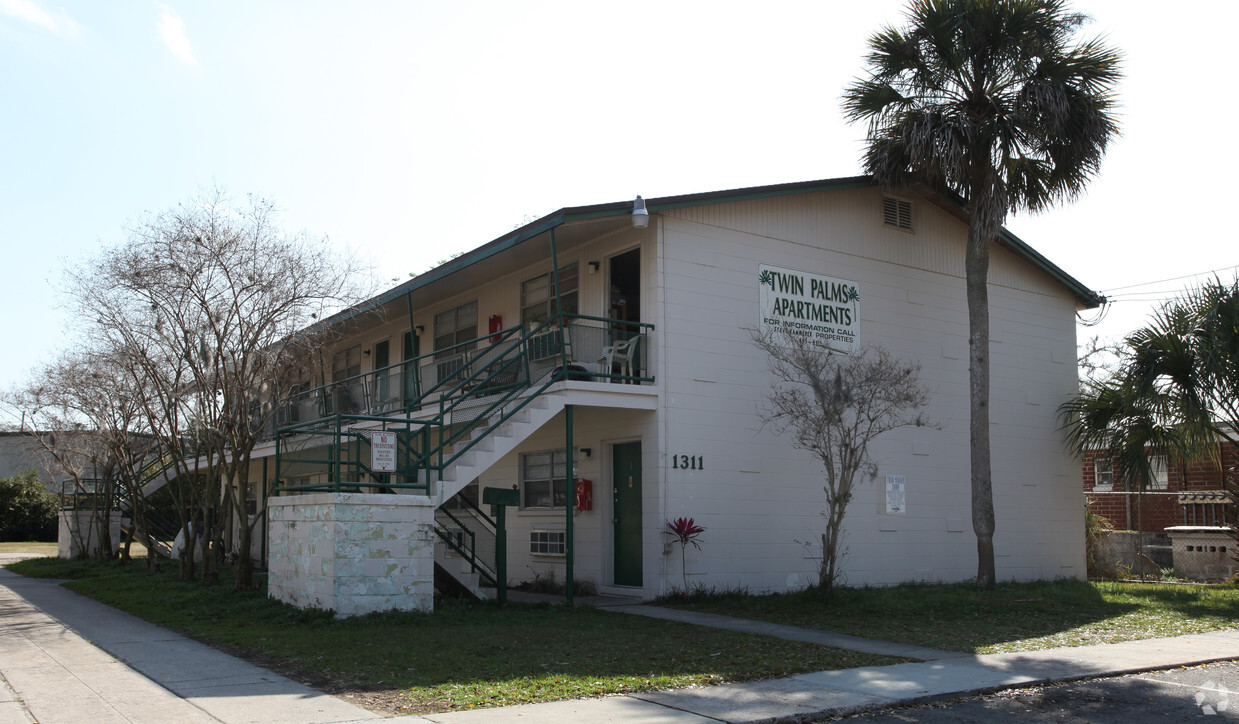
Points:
x=1173, y=279
x=1145, y=295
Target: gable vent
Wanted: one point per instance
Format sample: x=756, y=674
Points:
x=897, y=213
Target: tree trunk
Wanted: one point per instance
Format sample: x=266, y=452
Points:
x=977, y=275
x=243, y=569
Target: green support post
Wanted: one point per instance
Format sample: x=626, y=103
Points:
x=501, y=499
x=569, y=506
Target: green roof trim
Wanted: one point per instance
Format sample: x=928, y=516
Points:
x=1088, y=297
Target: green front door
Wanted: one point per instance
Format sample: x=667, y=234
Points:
x=412, y=348
x=626, y=482
x=382, y=387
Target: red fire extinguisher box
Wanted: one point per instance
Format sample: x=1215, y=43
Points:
x=584, y=494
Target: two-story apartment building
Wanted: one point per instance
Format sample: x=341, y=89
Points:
x=597, y=368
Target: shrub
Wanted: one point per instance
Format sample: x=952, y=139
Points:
x=27, y=511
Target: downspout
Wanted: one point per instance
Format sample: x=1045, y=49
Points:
x=663, y=377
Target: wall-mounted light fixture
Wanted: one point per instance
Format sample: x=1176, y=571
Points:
x=640, y=217
x=365, y=353
x=587, y=451
x=593, y=267
x=419, y=329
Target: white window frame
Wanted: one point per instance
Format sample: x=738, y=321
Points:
x=460, y=323
x=538, y=295
x=1103, y=468
x=553, y=543
x=557, y=463
x=1159, y=473
x=346, y=363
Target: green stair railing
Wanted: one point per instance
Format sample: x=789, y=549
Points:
x=479, y=395
x=469, y=532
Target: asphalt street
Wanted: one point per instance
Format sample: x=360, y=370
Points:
x=1208, y=693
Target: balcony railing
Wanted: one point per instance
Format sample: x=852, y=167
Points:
x=595, y=349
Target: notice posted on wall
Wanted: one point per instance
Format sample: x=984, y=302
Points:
x=895, y=495
x=383, y=452
x=797, y=304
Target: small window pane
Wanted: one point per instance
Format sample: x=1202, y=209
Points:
x=1159, y=473
x=537, y=494
x=1103, y=475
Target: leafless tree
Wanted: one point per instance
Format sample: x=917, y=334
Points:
x=76, y=455
x=94, y=390
x=1099, y=360
x=209, y=303
x=833, y=405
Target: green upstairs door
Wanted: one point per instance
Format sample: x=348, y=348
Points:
x=626, y=478
x=382, y=387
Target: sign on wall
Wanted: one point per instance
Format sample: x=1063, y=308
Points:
x=797, y=303
x=896, y=495
x=383, y=452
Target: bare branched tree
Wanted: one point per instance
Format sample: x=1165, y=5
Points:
x=210, y=303
x=95, y=391
x=834, y=405
x=76, y=455
x=1099, y=360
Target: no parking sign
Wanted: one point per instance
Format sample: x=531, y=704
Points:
x=383, y=452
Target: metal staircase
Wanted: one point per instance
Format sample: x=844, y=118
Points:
x=485, y=404
x=465, y=561
x=160, y=530
x=489, y=441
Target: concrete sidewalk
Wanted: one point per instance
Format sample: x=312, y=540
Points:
x=803, y=697
x=53, y=670
x=70, y=659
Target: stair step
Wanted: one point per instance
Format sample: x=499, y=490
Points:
x=493, y=441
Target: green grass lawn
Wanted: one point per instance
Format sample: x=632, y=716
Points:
x=462, y=656
x=1014, y=617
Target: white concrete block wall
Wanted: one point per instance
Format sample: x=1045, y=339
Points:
x=352, y=553
x=79, y=531
x=715, y=381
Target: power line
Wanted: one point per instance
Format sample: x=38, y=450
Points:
x=1173, y=279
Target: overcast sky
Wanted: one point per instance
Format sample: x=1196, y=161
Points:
x=409, y=131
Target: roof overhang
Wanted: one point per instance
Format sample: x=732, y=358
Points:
x=578, y=224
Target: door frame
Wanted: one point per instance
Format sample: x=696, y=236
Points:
x=608, y=536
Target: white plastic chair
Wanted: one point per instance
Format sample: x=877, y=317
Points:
x=623, y=354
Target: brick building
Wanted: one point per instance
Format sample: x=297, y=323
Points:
x=1178, y=493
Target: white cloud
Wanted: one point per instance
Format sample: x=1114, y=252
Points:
x=30, y=11
x=172, y=30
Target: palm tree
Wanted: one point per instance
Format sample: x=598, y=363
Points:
x=1176, y=392
x=1191, y=353
x=990, y=100
x=1215, y=337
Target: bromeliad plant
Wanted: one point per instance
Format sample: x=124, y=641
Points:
x=685, y=531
